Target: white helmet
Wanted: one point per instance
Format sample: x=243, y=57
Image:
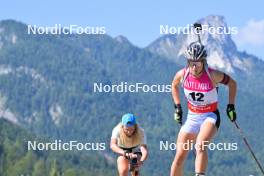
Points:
x=195, y=51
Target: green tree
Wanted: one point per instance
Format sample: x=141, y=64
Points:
x=70, y=172
x=39, y=168
x=54, y=169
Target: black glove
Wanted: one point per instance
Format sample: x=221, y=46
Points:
x=178, y=113
x=231, y=112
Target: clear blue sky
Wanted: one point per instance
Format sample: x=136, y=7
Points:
x=137, y=20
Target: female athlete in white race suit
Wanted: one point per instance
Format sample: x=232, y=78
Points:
x=200, y=88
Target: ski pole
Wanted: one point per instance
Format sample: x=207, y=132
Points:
x=248, y=146
x=198, y=27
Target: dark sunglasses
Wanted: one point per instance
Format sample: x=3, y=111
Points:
x=195, y=63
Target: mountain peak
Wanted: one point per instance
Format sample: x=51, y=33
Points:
x=121, y=39
x=213, y=20
x=215, y=35
x=215, y=28
x=11, y=25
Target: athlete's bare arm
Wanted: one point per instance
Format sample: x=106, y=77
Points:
x=144, y=151
x=174, y=86
x=218, y=77
x=115, y=148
